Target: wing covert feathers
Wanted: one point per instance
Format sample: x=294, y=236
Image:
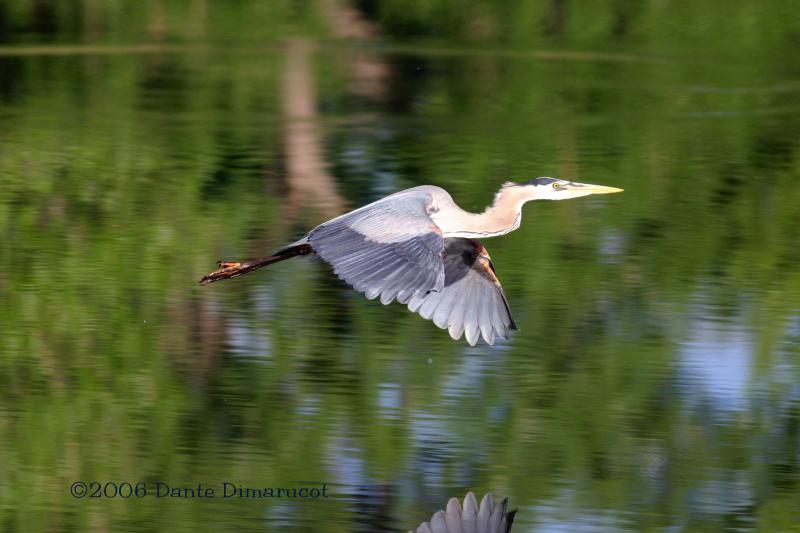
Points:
x=387, y=249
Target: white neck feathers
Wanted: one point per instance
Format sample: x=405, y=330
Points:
x=503, y=216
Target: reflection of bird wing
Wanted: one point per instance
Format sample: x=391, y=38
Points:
x=390, y=248
x=488, y=518
x=472, y=300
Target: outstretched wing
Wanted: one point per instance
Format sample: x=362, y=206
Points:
x=472, y=300
x=490, y=517
x=390, y=248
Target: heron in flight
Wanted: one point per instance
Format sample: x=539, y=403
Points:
x=489, y=517
x=418, y=247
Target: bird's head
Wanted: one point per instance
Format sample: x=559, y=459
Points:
x=556, y=189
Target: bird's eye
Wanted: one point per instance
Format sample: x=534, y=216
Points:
x=556, y=185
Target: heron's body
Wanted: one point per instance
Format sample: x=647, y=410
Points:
x=418, y=247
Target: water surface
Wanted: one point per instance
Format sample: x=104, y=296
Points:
x=652, y=385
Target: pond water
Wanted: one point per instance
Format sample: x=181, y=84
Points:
x=653, y=382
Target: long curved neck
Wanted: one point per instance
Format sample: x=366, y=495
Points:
x=503, y=216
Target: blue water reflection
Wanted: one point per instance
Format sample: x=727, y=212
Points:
x=716, y=360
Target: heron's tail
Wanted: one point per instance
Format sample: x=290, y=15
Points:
x=231, y=269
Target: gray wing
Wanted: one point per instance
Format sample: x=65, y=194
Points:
x=390, y=248
x=472, y=300
x=488, y=518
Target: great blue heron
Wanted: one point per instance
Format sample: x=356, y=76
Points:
x=489, y=517
x=417, y=246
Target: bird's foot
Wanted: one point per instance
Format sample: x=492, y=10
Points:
x=227, y=269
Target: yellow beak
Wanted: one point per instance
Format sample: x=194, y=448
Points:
x=593, y=189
